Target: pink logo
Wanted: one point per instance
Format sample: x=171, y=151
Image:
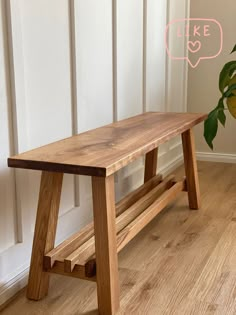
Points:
x=202, y=39
x=194, y=46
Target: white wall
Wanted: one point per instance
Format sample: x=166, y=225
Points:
x=203, y=92
x=66, y=67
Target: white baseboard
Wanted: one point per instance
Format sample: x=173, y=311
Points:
x=13, y=285
x=15, y=282
x=172, y=165
x=216, y=157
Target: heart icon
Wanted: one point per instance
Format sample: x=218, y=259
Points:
x=194, y=46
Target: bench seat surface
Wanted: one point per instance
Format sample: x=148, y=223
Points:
x=103, y=151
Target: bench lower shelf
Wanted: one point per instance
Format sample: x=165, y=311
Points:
x=75, y=257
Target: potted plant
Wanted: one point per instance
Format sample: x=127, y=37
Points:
x=227, y=101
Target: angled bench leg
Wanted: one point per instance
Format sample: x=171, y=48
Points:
x=191, y=169
x=150, y=164
x=105, y=244
x=44, y=234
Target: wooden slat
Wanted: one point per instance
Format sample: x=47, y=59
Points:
x=78, y=239
x=80, y=255
x=131, y=230
x=133, y=211
x=150, y=164
x=105, y=150
x=68, y=246
x=78, y=272
x=87, y=250
x=135, y=195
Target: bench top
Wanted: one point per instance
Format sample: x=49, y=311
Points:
x=105, y=150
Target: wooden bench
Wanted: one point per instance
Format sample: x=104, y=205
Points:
x=91, y=254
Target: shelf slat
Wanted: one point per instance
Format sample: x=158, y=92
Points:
x=87, y=251
x=75, y=241
x=78, y=271
x=132, y=229
x=143, y=205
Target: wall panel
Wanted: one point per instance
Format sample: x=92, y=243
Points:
x=129, y=39
x=46, y=54
x=93, y=36
x=8, y=228
x=177, y=69
x=156, y=56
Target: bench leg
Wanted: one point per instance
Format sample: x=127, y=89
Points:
x=191, y=169
x=150, y=164
x=105, y=244
x=44, y=234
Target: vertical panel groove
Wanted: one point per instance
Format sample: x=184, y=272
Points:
x=73, y=67
x=144, y=55
x=10, y=79
x=74, y=99
x=114, y=57
x=187, y=13
x=167, y=107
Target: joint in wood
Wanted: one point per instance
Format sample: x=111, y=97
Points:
x=90, y=268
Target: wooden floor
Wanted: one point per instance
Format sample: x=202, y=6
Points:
x=184, y=262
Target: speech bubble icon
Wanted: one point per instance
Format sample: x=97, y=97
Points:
x=194, y=40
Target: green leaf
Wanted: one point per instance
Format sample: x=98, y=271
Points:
x=226, y=74
x=221, y=113
x=231, y=82
x=231, y=103
x=234, y=49
x=211, y=127
x=230, y=90
x=222, y=117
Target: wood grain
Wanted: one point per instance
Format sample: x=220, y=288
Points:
x=45, y=232
x=105, y=150
x=191, y=169
x=218, y=273
x=150, y=164
x=105, y=244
